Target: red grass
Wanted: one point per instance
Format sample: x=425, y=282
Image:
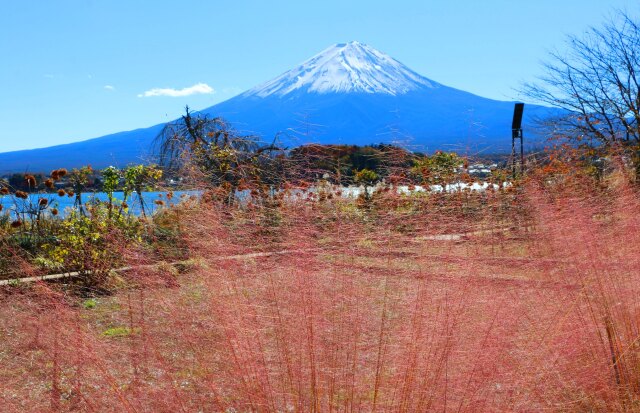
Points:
x=369, y=313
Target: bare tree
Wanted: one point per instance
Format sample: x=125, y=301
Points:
x=597, y=82
x=225, y=158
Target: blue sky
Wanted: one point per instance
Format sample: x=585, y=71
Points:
x=74, y=70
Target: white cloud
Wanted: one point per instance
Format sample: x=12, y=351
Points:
x=199, y=88
x=109, y=87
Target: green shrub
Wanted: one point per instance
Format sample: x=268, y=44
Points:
x=91, y=243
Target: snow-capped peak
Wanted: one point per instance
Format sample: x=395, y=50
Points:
x=346, y=67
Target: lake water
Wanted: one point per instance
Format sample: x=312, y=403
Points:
x=65, y=203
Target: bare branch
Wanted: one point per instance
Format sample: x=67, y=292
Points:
x=596, y=82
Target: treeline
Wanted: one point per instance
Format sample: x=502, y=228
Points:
x=208, y=148
x=85, y=179
x=341, y=163
x=338, y=164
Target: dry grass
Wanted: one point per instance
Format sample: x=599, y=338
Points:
x=365, y=317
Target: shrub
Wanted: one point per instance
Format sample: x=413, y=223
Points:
x=91, y=244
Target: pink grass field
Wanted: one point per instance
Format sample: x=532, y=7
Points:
x=368, y=310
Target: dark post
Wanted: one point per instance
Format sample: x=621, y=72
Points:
x=516, y=133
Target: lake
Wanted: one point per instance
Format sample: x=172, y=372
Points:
x=65, y=203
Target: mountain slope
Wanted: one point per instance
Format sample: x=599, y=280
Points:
x=120, y=149
x=442, y=118
x=349, y=93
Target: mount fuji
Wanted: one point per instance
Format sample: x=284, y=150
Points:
x=349, y=93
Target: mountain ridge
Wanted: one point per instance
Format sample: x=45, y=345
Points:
x=349, y=93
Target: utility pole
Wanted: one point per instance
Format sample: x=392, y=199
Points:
x=516, y=134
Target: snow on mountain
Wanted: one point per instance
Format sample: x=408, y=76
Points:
x=346, y=68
